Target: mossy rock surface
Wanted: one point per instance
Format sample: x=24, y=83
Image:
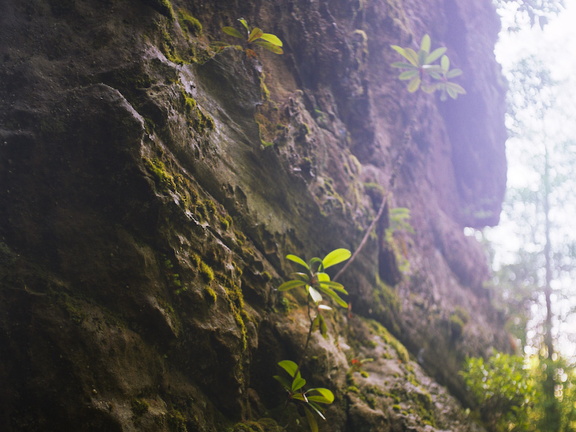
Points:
x=151, y=190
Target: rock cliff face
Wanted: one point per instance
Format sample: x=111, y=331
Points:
x=150, y=190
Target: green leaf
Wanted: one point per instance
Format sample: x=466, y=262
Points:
x=311, y=420
x=245, y=24
x=434, y=55
x=285, y=383
x=408, y=53
x=459, y=88
x=454, y=73
x=334, y=285
x=317, y=261
x=422, y=57
x=425, y=44
x=300, y=397
x=411, y=56
x=336, y=257
x=272, y=38
x=428, y=88
x=445, y=63
x=314, y=295
x=451, y=92
x=301, y=276
x=289, y=366
x=315, y=409
x=437, y=75
x=402, y=65
x=334, y=297
x=297, y=260
x=406, y=75
x=255, y=34
x=270, y=47
x=232, y=32
x=298, y=383
x=456, y=87
x=414, y=84
x=323, y=395
x=291, y=284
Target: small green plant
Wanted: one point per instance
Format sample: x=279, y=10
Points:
x=309, y=399
x=423, y=72
x=315, y=279
x=253, y=36
x=317, y=282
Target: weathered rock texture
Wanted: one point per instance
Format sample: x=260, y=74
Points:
x=143, y=224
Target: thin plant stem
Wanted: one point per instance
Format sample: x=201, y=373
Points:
x=366, y=236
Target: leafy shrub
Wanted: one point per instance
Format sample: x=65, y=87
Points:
x=308, y=399
x=503, y=388
x=253, y=36
x=423, y=72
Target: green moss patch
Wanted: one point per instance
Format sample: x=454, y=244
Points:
x=188, y=22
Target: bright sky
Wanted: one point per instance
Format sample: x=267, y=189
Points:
x=556, y=43
x=556, y=46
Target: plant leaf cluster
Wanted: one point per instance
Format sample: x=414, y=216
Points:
x=308, y=399
x=422, y=70
x=317, y=283
x=314, y=279
x=252, y=36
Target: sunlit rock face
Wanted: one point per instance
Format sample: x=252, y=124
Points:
x=150, y=189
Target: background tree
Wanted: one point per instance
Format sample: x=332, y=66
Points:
x=532, y=12
x=537, y=274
